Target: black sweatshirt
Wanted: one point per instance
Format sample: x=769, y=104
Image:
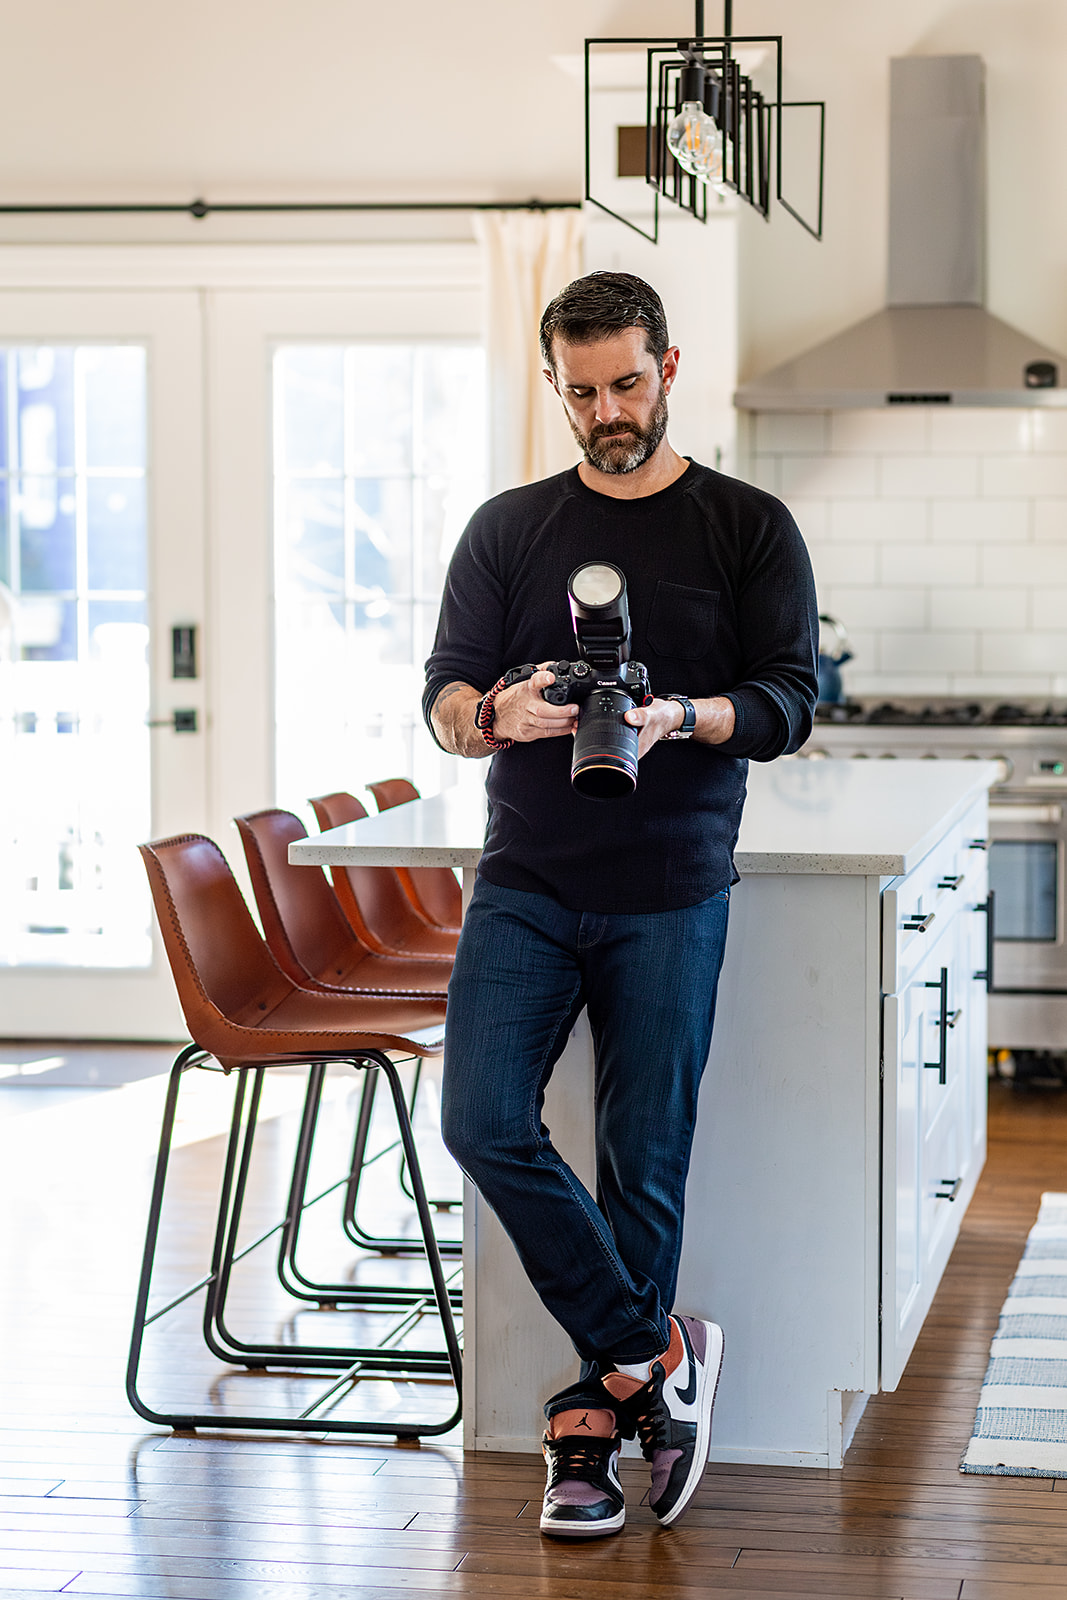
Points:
x=721, y=601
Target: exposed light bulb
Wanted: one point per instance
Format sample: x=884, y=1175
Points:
x=693, y=137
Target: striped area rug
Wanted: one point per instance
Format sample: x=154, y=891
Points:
x=1020, y=1429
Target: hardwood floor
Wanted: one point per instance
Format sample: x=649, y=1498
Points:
x=93, y=1502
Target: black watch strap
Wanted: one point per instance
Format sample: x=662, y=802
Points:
x=689, y=718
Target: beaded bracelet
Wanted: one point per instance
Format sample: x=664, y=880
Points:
x=483, y=716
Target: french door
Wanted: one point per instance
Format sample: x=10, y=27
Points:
x=101, y=556
x=354, y=425
x=226, y=504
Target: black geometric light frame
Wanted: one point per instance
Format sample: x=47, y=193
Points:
x=751, y=125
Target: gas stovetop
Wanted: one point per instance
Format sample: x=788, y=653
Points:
x=946, y=713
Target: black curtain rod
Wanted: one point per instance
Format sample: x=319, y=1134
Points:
x=199, y=209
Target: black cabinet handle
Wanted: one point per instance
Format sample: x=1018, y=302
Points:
x=940, y=1066
x=978, y=844
x=987, y=906
x=917, y=923
x=954, y=1186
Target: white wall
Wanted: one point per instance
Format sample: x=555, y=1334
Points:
x=938, y=537
x=297, y=99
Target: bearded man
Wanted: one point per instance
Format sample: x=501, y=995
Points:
x=620, y=907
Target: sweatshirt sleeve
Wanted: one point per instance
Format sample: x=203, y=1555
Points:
x=468, y=647
x=778, y=628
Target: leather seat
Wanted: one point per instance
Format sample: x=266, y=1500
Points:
x=433, y=891
x=306, y=930
x=373, y=899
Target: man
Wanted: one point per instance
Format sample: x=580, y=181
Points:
x=620, y=907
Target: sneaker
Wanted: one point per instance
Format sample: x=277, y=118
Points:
x=583, y=1497
x=671, y=1413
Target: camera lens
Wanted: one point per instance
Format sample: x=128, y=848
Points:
x=604, y=766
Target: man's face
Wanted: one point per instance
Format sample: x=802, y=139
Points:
x=615, y=398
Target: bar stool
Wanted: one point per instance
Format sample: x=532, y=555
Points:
x=309, y=937
x=246, y=1016
x=433, y=891
x=373, y=898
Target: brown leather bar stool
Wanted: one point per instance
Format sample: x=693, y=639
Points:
x=305, y=928
x=373, y=898
x=309, y=937
x=245, y=1016
x=433, y=891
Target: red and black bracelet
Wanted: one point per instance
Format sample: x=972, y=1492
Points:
x=484, y=711
x=483, y=716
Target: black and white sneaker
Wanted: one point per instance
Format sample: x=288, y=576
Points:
x=671, y=1413
x=583, y=1498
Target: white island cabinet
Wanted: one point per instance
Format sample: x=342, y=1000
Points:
x=842, y=1119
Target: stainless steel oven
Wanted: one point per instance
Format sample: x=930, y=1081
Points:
x=1027, y=839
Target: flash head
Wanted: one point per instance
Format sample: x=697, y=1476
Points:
x=596, y=593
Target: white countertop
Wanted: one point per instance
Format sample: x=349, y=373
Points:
x=868, y=818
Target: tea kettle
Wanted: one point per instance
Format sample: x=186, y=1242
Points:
x=832, y=656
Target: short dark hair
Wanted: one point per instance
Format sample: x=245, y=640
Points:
x=601, y=304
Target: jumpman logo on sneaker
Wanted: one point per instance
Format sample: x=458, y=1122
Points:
x=584, y=1423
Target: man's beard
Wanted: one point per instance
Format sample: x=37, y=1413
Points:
x=634, y=446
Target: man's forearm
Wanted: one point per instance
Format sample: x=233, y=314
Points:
x=715, y=720
x=452, y=716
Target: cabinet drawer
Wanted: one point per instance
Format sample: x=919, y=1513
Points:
x=916, y=908
x=943, y=1176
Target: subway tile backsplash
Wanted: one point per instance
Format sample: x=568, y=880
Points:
x=938, y=537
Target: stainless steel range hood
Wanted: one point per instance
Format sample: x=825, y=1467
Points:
x=934, y=343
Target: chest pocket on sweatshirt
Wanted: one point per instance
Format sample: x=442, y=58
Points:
x=682, y=620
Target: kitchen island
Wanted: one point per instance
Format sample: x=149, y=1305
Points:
x=842, y=1123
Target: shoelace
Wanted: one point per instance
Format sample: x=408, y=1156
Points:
x=651, y=1420
x=582, y=1459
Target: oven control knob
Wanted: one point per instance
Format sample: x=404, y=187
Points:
x=1005, y=767
x=817, y=755
x=860, y=755
x=888, y=755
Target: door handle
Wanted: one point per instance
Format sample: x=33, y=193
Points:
x=180, y=721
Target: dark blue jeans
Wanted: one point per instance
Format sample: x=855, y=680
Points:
x=607, y=1268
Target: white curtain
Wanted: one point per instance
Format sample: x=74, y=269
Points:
x=529, y=256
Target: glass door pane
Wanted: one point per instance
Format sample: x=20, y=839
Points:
x=74, y=678
x=102, y=553
x=379, y=460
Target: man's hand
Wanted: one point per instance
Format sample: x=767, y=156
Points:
x=522, y=715
x=715, y=721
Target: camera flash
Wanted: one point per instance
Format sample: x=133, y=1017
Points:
x=596, y=585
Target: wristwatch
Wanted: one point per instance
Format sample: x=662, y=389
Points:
x=689, y=718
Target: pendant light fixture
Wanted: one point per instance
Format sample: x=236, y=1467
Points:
x=707, y=127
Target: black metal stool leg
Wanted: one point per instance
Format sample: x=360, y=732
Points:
x=444, y=1305
x=189, y=1057
x=363, y=1294
x=352, y=1226
x=348, y=1364
x=225, y=1344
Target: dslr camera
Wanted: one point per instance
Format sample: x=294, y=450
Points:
x=603, y=682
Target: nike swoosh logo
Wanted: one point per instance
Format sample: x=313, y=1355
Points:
x=688, y=1395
